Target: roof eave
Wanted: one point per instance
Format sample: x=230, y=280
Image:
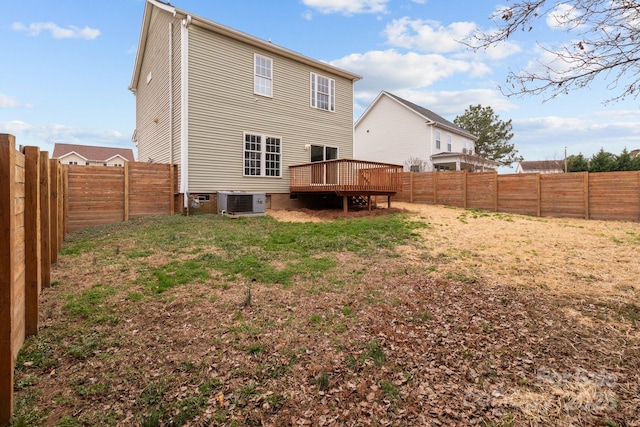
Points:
x=231, y=33
x=142, y=41
x=268, y=46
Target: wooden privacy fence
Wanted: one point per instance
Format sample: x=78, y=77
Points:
x=104, y=195
x=603, y=195
x=31, y=230
x=40, y=200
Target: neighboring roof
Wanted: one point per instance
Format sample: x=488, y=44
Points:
x=192, y=19
x=542, y=165
x=429, y=115
x=635, y=153
x=92, y=153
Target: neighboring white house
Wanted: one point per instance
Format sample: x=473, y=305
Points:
x=76, y=154
x=233, y=111
x=540, y=166
x=395, y=130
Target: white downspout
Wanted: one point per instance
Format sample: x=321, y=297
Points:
x=184, y=110
x=170, y=92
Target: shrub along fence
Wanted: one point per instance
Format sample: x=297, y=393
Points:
x=40, y=200
x=603, y=195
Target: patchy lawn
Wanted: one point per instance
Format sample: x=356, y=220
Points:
x=422, y=315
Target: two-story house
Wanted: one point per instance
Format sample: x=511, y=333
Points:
x=397, y=131
x=232, y=110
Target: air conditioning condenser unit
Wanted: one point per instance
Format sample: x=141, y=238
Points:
x=239, y=203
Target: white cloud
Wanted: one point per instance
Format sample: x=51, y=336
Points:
x=47, y=135
x=391, y=70
x=348, y=7
x=56, y=31
x=7, y=101
x=428, y=36
x=544, y=137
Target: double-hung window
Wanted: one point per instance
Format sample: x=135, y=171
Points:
x=262, y=155
x=449, y=143
x=262, y=75
x=323, y=90
x=437, y=140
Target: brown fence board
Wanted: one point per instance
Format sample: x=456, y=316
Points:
x=562, y=195
x=450, y=188
x=103, y=195
x=615, y=195
x=481, y=191
x=518, y=194
x=607, y=195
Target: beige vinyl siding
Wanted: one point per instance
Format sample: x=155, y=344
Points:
x=222, y=106
x=152, y=103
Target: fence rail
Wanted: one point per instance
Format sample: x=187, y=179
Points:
x=604, y=195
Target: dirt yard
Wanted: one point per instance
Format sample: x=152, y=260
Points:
x=484, y=319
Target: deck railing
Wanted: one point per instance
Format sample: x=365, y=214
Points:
x=346, y=176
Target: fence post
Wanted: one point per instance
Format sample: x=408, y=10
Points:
x=464, y=189
x=65, y=200
x=53, y=211
x=7, y=273
x=495, y=192
x=126, y=191
x=435, y=187
x=45, y=237
x=60, y=216
x=411, y=187
x=538, y=196
x=172, y=188
x=32, y=239
x=586, y=195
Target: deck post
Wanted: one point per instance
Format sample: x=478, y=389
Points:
x=345, y=204
x=369, y=201
x=389, y=201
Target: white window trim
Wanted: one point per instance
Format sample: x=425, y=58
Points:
x=313, y=89
x=256, y=75
x=438, y=138
x=449, y=143
x=263, y=155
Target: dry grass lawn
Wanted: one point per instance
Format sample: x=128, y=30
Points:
x=482, y=318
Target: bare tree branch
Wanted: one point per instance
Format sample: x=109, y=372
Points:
x=606, y=44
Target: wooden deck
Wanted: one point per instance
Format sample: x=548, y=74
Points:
x=346, y=177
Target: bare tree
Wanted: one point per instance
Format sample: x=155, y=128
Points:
x=605, y=42
x=419, y=164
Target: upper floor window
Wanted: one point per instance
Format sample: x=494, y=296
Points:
x=262, y=155
x=449, y=143
x=323, y=92
x=438, y=139
x=263, y=75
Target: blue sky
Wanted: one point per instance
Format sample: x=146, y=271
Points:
x=67, y=65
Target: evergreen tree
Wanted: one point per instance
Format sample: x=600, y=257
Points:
x=577, y=163
x=493, y=134
x=602, y=161
x=635, y=163
x=624, y=161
